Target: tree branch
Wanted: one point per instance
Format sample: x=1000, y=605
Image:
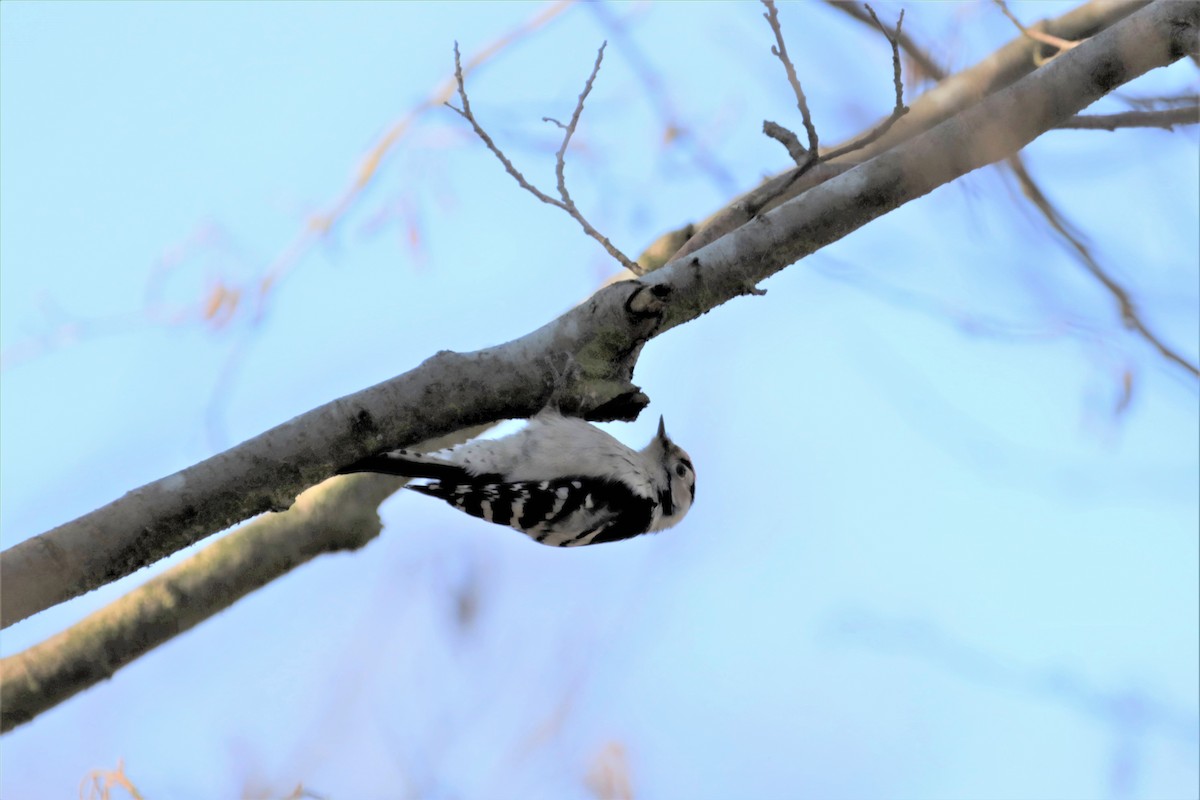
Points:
x=584, y=360
x=1034, y=33
x=949, y=97
x=898, y=111
x=565, y=202
x=1189, y=113
x=915, y=53
x=1166, y=119
x=1128, y=310
x=336, y=515
x=599, y=339
x=779, y=50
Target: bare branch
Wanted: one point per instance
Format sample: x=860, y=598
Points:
x=676, y=131
x=779, y=50
x=893, y=39
x=320, y=224
x=1166, y=119
x=336, y=515
x=806, y=159
x=786, y=138
x=949, y=97
x=466, y=113
x=1129, y=313
x=564, y=200
x=601, y=336
x=1159, y=102
x=101, y=782
x=92, y=650
x=1034, y=33
x=1032, y=192
x=898, y=111
x=560, y=172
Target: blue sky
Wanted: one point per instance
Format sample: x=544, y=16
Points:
x=929, y=558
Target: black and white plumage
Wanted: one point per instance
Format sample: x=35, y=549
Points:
x=560, y=480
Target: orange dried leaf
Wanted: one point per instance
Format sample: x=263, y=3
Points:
x=214, y=301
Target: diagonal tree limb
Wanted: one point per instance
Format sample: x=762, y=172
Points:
x=949, y=97
x=92, y=650
x=337, y=515
x=1128, y=310
x=1187, y=114
x=584, y=360
x=991, y=130
x=598, y=341
x=40, y=677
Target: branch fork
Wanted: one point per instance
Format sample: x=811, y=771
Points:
x=563, y=201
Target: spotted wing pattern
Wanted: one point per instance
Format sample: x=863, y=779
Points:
x=565, y=512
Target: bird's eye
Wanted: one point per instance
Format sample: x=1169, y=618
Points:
x=680, y=470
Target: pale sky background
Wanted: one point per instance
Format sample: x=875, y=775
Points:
x=929, y=557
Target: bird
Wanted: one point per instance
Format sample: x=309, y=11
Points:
x=560, y=480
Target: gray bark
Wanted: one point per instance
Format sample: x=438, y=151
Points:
x=584, y=359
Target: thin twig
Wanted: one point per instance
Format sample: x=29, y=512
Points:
x=1166, y=119
x=813, y=168
x=1158, y=103
x=899, y=110
x=318, y=225
x=779, y=50
x=806, y=159
x=560, y=157
x=466, y=113
x=256, y=294
x=1035, y=34
x=1129, y=313
x=918, y=55
x=893, y=40
x=1054, y=219
x=101, y=782
x=676, y=131
x=786, y=138
x=564, y=200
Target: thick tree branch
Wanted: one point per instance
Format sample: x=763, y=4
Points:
x=993, y=129
x=597, y=342
x=584, y=360
x=949, y=97
x=1166, y=118
x=336, y=515
x=92, y=650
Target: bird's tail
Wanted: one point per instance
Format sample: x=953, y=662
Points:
x=408, y=465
